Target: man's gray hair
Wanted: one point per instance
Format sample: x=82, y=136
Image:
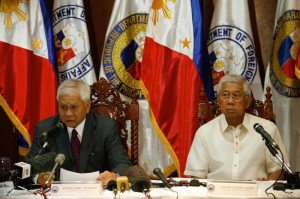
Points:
x=234, y=78
x=71, y=86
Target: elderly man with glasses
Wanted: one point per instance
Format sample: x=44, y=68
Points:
x=228, y=147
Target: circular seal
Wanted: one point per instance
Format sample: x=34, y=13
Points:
x=54, y=189
x=285, y=55
x=231, y=50
x=210, y=187
x=122, y=53
x=71, y=42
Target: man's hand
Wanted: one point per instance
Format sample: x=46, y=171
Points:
x=106, y=176
x=261, y=179
x=43, y=177
x=279, y=174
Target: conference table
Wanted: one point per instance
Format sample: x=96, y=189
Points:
x=181, y=192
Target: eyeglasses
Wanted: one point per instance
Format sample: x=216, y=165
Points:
x=234, y=96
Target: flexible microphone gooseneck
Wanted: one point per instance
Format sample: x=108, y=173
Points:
x=47, y=136
x=271, y=144
x=293, y=181
x=160, y=175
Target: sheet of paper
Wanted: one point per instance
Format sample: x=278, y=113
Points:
x=6, y=188
x=66, y=175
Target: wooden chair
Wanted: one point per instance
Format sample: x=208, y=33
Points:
x=208, y=110
x=106, y=101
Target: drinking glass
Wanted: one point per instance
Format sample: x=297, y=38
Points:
x=5, y=164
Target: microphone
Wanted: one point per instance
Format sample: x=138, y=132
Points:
x=59, y=160
x=21, y=170
x=42, y=163
x=258, y=128
x=122, y=183
x=48, y=135
x=30, y=167
x=191, y=183
x=51, y=132
x=112, y=186
x=160, y=175
x=139, y=180
x=197, y=183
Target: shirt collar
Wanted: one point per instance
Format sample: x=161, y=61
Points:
x=78, y=128
x=224, y=125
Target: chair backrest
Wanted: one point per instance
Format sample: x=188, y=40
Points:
x=208, y=110
x=106, y=101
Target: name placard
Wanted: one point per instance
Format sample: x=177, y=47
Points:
x=226, y=187
x=67, y=188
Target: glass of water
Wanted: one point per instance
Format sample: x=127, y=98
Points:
x=5, y=164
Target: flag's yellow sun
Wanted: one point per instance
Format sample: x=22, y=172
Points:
x=10, y=7
x=158, y=5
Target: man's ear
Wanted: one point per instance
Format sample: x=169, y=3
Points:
x=88, y=106
x=249, y=101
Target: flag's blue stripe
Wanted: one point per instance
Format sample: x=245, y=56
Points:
x=49, y=35
x=51, y=52
x=200, y=57
x=22, y=142
x=212, y=57
x=128, y=54
x=284, y=51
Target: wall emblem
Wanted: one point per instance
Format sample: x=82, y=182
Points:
x=231, y=50
x=122, y=53
x=71, y=42
x=285, y=53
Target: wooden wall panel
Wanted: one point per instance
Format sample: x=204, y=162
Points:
x=98, y=15
x=8, y=140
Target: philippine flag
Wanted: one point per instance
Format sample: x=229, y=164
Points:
x=28, y=71
x=174, y=70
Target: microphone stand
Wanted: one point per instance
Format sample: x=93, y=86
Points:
x=293, y=181
x=46, y=142
x=274, y=152
x=146, y=192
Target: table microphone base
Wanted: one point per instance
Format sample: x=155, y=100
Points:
x=293, y=182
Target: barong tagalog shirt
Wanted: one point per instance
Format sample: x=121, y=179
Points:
x=220, y=151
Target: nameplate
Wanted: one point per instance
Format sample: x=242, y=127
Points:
x=67, y=188
x=228, y=187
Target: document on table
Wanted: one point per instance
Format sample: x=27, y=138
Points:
x=66, y=175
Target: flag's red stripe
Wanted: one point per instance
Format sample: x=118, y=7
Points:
x=28, y=83
x=289, y=68
x=173, y=85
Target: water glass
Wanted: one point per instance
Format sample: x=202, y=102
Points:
x=5, y=164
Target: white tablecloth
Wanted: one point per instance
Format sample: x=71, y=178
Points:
x=155, y=193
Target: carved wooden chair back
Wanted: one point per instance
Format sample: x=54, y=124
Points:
x=208, y=110
x=106, y=100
